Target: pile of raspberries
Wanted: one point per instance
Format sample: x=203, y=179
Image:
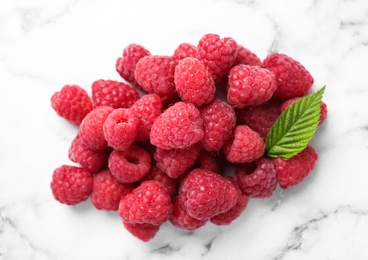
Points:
x=181, y=138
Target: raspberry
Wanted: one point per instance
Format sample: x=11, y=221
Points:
x=178, y=127
x=245, y=146
x=155, y=74
x=72, y=103
x=144, y=232
x=120, y=129
x=91, y=128
x=206, y=194
x=294, y=170
x=261, y=117
x=129, y=166
x=181, y=219
x=208, y=161
x=126, y=64
x=250, y=85
x=175, y=162
x=185, y=50
x=218, y=124
x=113, y=93
x=194, y=82
x=71, y=185
x=259, y=180
x=218, y=54
x=149, y=203
x=229, y=216
x=246, y=57
x=107, y=192
x=323, y=113
x=91, y=160
x=157, y=175
x=293, y=79
x=146, y=109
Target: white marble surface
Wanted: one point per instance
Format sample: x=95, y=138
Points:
x=46, y=44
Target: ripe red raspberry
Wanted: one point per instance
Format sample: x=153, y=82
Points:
x=218, y=124
x=155, y=74
x=91, y=128
x=107, y=192
x=218, y=54
x=146, y=109
x=323, y=113
x=250, y=85
x=157, y=175
x=246, y=57
x=293, y=79
x=175, y=162
x=113, y=93
x=178, y=127
x=229, y=216
x=194, y=82
x=257, y=180
x=126, y=64
x=206, y=194
x=245, y=146
x=120, y=129
x=144, y=232
x=207, y=161
x=181, y=219
x=131, y=165
x=261, y=117
x=294, y=170
x=91, y=160
x=71, y=185
x=185, y=50
x=149, y=203
x=72, y=103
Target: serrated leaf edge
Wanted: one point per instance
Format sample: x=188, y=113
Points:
x=294, y=145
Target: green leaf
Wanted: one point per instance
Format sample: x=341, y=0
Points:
x=295, y=127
